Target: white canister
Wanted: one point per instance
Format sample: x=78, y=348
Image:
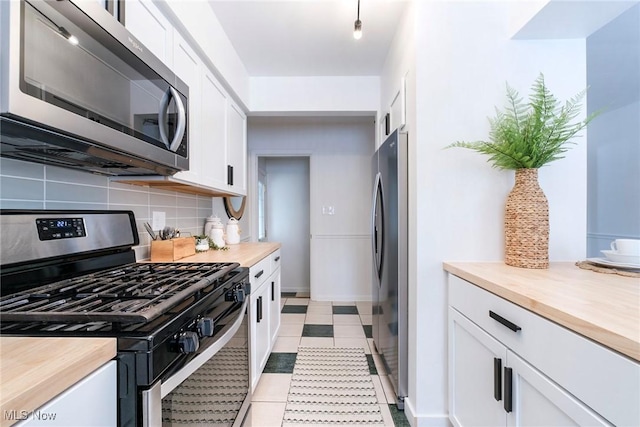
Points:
x=217, y=234
x=208, y=224
x=233, y=232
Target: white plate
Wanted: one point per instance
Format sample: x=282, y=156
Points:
x=622, y=258
x=609, y=263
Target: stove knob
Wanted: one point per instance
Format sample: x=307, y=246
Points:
x=188, y=342
x=205, y=327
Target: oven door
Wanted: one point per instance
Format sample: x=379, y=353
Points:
x=213, y=386
x=73, y=69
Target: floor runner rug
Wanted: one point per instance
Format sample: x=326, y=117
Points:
x=331, y=386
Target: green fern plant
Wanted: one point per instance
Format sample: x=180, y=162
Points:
x=530, y=135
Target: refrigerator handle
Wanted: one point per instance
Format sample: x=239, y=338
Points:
x=377, y=244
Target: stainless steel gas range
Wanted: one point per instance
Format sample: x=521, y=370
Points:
x=74, y=274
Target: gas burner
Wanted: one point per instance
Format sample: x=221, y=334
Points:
x=134, y=293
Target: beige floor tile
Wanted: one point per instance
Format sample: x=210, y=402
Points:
x=286, y=345
x=272, y=388
x=366, y=319
x=386, y=415
x=290, y=330
x=292, y=318
x=388, y=389
x=320, y=303
x=282, y=302
x=267, y=414
x=320, y=309
x=316, y=342
x=346, y=319
x=318, y=319
x=352, y=342
x=297, y=301
x=364, y=307
x=377, y=385
x=348, y=331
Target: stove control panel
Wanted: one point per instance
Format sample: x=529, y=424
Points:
x=60, y=228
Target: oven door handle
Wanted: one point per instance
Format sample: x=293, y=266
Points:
x=176, y=379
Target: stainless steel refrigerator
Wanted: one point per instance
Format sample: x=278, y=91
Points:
x=389, y=225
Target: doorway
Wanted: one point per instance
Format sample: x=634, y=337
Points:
x=284, y=215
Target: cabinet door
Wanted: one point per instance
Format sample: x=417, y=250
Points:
x=274, y=306
x=237, y=148
x=260, y=339
x=476, y=362
x=214, y=147
x=91, y=402
x=539, y=402
x=188, y=68
x=151, y=27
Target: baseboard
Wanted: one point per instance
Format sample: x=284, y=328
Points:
x=416, y=420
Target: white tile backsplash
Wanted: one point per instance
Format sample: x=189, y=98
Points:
x=26, y=185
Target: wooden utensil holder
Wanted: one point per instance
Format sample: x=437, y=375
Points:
x=172, y=250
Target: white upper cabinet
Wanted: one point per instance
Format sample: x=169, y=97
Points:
x=217, y=127
x=151, y=27
x=236, y=149
x=214, y=140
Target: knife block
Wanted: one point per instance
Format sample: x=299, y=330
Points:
x=172, y=250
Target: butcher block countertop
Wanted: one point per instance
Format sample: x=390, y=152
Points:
x=35, y=370
x=602, y=307
x=247, y=254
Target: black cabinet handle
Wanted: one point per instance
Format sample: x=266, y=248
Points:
x=273, y=292
x=259, y=273
x=508, y=389
x=277, y=259
x=503, y=321
x=258, y=301
x=229, y=175
x=497, y=379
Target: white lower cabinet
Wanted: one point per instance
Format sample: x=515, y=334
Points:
x=92, y=402
x=492, y=386
x=264, y=312
x=511, y=367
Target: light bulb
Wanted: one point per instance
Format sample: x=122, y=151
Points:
x=357, y=30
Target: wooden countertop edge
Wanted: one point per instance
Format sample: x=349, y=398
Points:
x=39, y=392
x=247, y=254
x=595, y=332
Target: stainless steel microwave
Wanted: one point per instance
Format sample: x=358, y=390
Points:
x=78, y=90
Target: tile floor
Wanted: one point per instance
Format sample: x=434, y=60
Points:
x=318, y=324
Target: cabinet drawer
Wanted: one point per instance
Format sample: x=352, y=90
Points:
x=259, y=272
x=604, y=380
x=275, y=260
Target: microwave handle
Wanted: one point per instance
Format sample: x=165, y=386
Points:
x=163, y=117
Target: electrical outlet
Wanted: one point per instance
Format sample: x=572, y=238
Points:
x=328, y=210
x=159, y=220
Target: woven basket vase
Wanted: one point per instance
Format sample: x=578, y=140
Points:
x=526, y=223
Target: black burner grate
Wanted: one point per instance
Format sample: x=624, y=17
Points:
x=132, y=293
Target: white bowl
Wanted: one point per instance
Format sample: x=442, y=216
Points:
x=623, y=258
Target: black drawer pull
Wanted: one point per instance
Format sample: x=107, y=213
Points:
x=259, y=273
x=508, y=389
x=259, y=309
x=503, y=321
x=497, y=379
x=277, y=259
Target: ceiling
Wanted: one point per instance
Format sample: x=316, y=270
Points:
x=309, y=37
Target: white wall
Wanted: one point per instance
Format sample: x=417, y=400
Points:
x=463, y=57
x=613, y=74
x=321, y=94
x=288, y=217
x=340, y=150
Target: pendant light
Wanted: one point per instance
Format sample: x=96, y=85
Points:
x=357, y=26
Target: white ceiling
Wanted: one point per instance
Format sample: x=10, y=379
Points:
x=309, y=37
